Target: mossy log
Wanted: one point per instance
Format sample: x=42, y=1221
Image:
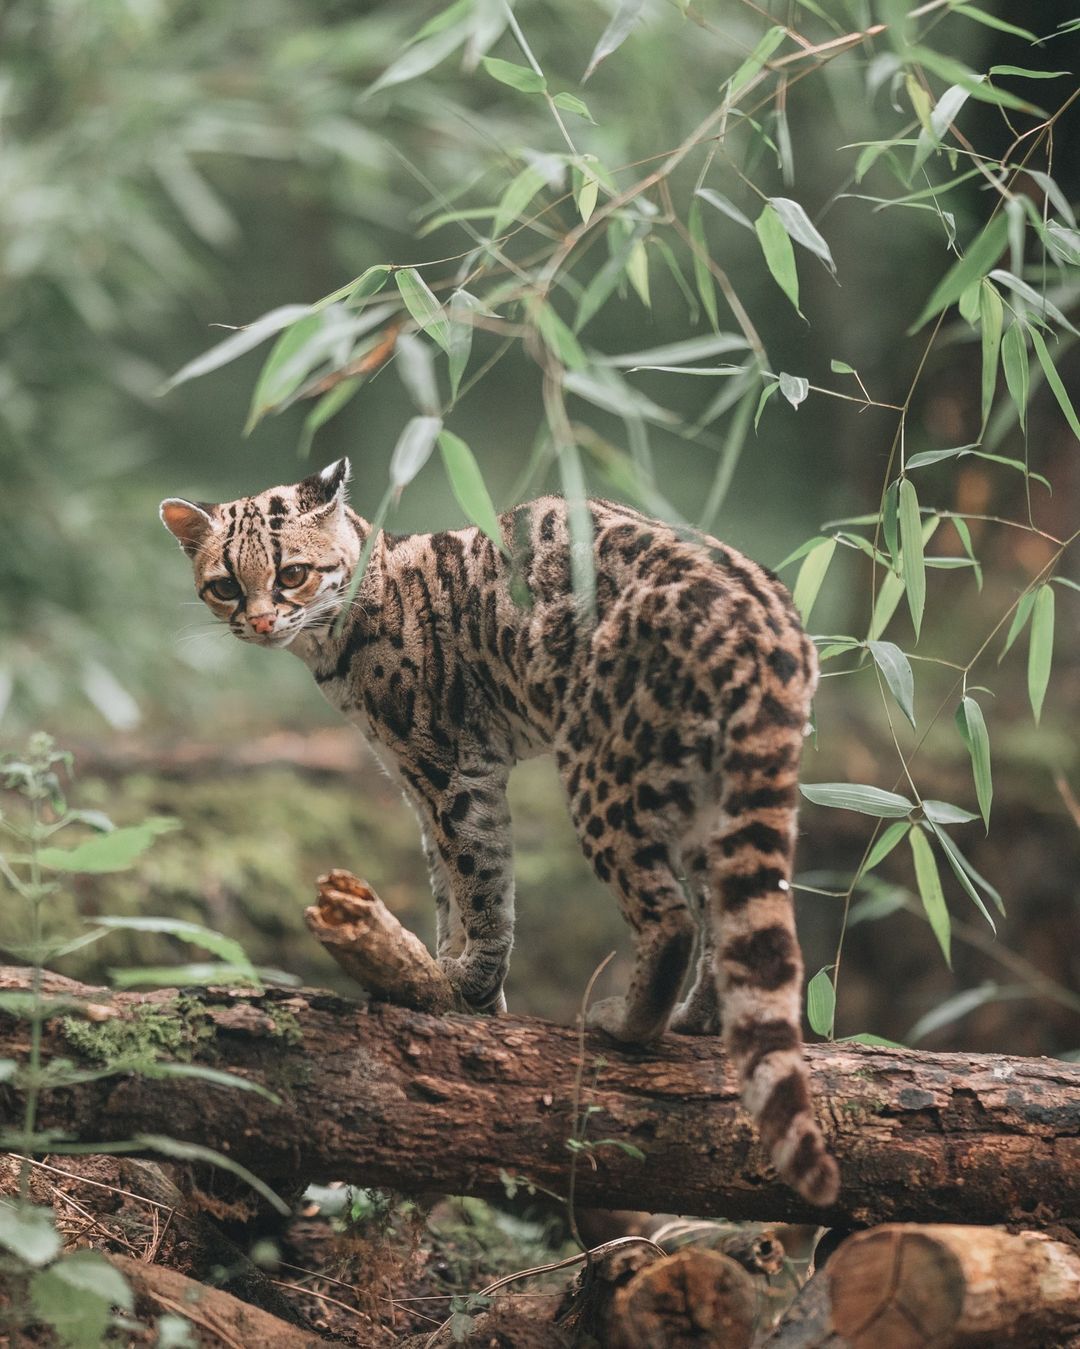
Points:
x=902, y=1286
x=381, y=1095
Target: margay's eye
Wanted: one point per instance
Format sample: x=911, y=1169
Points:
x=225, y=588
x=293, y=575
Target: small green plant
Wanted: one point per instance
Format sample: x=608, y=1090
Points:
x=76, y=1292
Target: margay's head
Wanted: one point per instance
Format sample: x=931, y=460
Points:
x=274, y=564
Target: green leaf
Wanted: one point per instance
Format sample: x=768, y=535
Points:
x=238, y=343
x=992, y=21
x=467, y=484
x=461, y=337
x=195, y=1152
x=28, y=1232
x=991, y=322
x=779, y=254
x=955, y=72
x=109, y=852
x=585, y=195
x=821, y=1003
x=896, y=668
x=225, y=948
x=217, y=1076
x=912, y=564
x=943, y=812
x=766, y=393
x=1024, y=606
x=1054, y=380
x=873, y=1041
x=973, y=266
x=89, y=1272
x=890, y=522
x=571, y=103
x=1044, y=308
x=1014, y=361
x=930, y=892
x=423, y=306
x=795, y=388
x=972, y=727
x=517, y=196
x=637, y=271
x=422, y=56
x=615, y=34
x=525, y=79
x=756, y=60
x=884, y=844
x=558, y=337
x=415, y=365
x=855, y=796
x=700, y=252
x=960, y=1005
x=361, y=287
x=798, y=225
x=676, y=353
x=200, y=973
x=725, y=207
x=1025, y=73
x=271, y=387
x=964, y=872
x=1041, y=648
x=810, y=578
x=413, y=449
x=329, y=405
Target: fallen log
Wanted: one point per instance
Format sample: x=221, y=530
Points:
x=902, y=1287
x=384, y=1096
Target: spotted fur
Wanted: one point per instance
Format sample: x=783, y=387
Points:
x=675, y=710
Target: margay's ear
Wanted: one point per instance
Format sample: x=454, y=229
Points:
x=188, y=521
x=323, y=493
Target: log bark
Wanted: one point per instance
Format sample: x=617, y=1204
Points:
x=902, y=1286
x=217, y=1320
x=381, y=1095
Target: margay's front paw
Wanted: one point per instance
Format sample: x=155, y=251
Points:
x=609, y=1015
x=485, y=1002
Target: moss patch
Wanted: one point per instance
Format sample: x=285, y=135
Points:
x=153, y=1031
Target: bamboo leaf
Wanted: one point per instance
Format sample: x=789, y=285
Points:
x=930, y=892
x=725, y=207
x=795, y=388
x=991, y=322
x=571, y=103
x=1014, y=361
x=174, y=1147
x=1020, y=617
x=855, y=796
x=468, y=486
x=912, y=563
x=973, y=266
x=423, y=306
x=413, y=449
x=810, y=578
x=896, y=668
x=194, y=934
x=884, y=845
x=798, y=225
x=1041, y=647
x=944, y=812
x=972, y=727
x=1054, y=380
x=615, y=34
x=28, y=1233
x=821, y=1003
x=779, y=254
x=517, y=196
x=702, y=276
x=329, y=405
x=962, y=871
x=422, y=56
x=523, y=78
x=756, y=60
x=271, y=387
x=238, y=343
x=461, y=338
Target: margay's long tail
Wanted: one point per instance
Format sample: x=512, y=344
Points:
x=759, y=966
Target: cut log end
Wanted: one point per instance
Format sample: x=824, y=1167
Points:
x=391, y=963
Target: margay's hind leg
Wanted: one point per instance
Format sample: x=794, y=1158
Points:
x=699, y=1011
x=628, y=837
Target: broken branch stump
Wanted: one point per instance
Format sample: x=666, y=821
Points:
x=373, y=948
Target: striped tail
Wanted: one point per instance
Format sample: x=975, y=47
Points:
x=758, y=962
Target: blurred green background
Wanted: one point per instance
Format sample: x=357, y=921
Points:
x=168, y=167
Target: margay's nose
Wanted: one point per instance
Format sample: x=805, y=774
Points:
x=262, y=623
